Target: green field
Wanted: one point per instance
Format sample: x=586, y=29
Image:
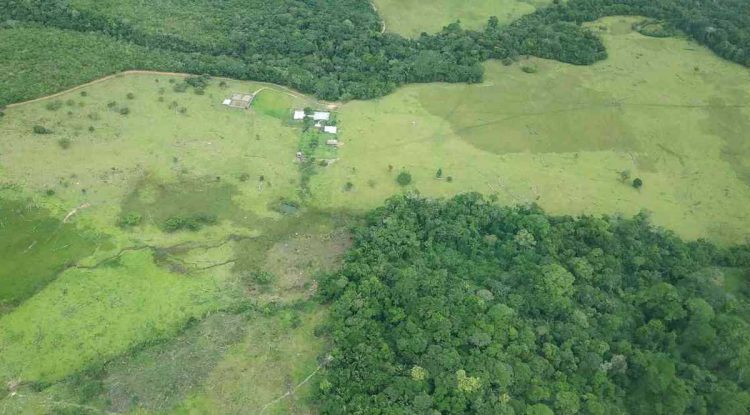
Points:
x=115, y=287
x=665, y=109
x=412, y=17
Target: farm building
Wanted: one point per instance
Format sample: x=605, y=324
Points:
x=330, y=129
x=242, y=101
x=316, y=116
x=321, y=116
x=332, y=142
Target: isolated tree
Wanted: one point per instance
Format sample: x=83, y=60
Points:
x=439, y=173
x=637, y=183
x=403, y=178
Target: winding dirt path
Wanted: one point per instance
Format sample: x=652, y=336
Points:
x=268, y=85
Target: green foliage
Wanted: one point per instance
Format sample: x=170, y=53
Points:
x=130, y=95
x=54, y=105
x=446, y=307
x=404, y=178
x=39, y=129
x=64, y=143
x=257, y=41
x=529, y=68
x=129, y=220
x=124, y=111
x=637, y=183
x=439, y=173
x=260, y=277
x=193, y=222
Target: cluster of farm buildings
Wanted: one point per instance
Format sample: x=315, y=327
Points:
x=320, y=118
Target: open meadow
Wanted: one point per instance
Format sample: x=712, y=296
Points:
x=412, y=17
x=166, y=247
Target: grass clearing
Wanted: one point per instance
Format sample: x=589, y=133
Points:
x=278, y=353
x=410, y=18
x=36, y=246
x=88, y=316
x=560, y=137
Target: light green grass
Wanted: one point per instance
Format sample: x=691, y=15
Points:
x=560, y=136
x=412, y=17
x=273, y=359
x=89, y=316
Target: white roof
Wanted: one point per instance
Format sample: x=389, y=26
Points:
x=332, y=142
x=321, y=115
x=299, y=114
x=227, y=101
x=330, y=129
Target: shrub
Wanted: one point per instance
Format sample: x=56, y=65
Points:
x=349, y=186
x=183, y=110
x=70, y=103
x=49, y=192
x=91, y=128
x=244, y=177
x=111, y=104
x=130, y=95
x=198, y=82
x=191, y=223
x=2, y=114
x=172, y=105
x=529, y=68
x=624, y=176
x=54, y=105
x=449, y=179
x=637, y=183
x=403, y=178
x=38, y=129
x=261, y=277
x=200, y=91
x=507, y=61
x=124, y=110
x=180, y=87
x=439, y=173
x=64, y=143
x=129, y=220
x=84, y=93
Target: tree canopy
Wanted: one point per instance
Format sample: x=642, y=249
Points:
x=334, y=48
x=460, y=306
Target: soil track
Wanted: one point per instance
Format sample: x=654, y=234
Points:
x=286, y=90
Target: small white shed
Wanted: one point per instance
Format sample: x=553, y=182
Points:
x=331, y=129
x=299, y=115
x=321, y=116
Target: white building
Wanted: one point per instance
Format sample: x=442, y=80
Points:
x=299, y=115
x=332, y=142
x=321, y=116
x=331, y=129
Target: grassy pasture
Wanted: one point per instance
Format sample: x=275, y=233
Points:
x=559, y=137
x=412, y=17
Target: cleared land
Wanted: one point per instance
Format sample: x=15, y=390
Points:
x=122, y=288
x=412, y=17
x=667, y=110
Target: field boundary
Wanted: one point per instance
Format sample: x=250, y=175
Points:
x=286, y=90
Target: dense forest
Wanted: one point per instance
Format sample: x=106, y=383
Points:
x=461, y=306
x=334, y=48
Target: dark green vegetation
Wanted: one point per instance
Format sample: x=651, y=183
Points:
x=332, y=48
x=35, y=248
x=461, y=306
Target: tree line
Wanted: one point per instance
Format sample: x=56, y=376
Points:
x=333, y=48
x=463, y=307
